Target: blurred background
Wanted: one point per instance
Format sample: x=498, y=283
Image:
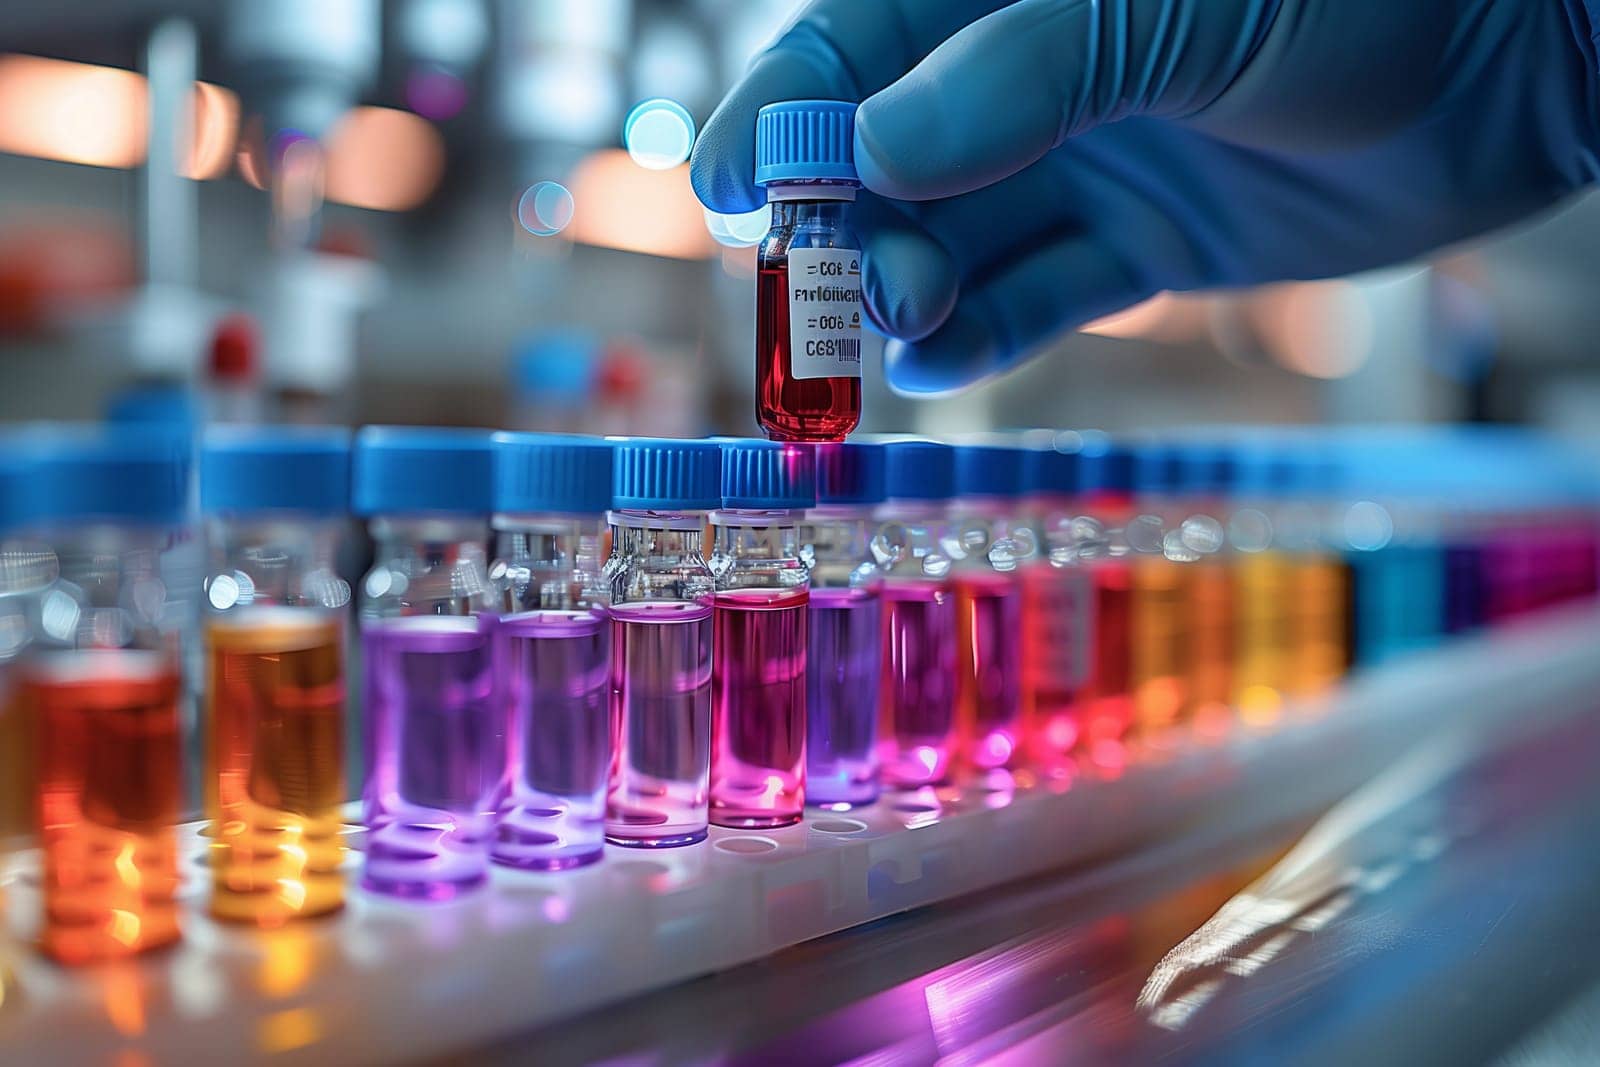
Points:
x=478, y=212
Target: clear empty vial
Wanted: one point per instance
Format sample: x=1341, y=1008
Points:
x=102, y=679
x=435, y=731
x=917, y=731
x=661, y=606
x=1057, y=600
x=552, y=648
x=758, y=681
x=808, y=273
x=844, y=662
x=989, y=545
x=275, y=501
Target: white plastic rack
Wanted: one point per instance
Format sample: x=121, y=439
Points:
x=385, y=981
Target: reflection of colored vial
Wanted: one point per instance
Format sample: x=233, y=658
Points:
x=275, y=689
x=992, y=546
x=553, y=649
x=102, y=682
x=1057, y=635
x=758, y=680
x=435, y=734
x=917, y=728
x=661, y=645
x=808, y=281
x=845, y=657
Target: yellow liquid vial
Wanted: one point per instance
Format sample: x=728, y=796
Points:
x=1208, y=607
x=1318, y=625
x=1157, y=646
x=275, y=700
x=1262, y=590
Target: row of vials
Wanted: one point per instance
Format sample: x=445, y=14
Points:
x=570, y=641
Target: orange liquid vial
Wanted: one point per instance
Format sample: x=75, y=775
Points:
x=1262, y=591
x=1209, y=633
x=1156, y=645
x=1319, y=645
x=109, y=796
x=275, y=705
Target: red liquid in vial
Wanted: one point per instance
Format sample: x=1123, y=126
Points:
x=789, y=408
x=1108, y=699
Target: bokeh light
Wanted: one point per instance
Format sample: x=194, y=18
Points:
x=658, y=134
x=741, y=230
x=545, y=208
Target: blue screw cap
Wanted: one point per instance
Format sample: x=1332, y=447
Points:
x=117, y=473
x=1107, y=468
x=663, y=474
x=853, y=472
x=418, y=469
x=806, y=140
x=275, y=468
x=921, y=470
x=989, y=470
x=556, y=473
x=1049, y=471
x=767, y=475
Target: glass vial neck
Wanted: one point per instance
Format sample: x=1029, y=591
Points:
x=548, y=563
x=785, y=194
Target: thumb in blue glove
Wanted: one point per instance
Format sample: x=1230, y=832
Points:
x=1041, y=163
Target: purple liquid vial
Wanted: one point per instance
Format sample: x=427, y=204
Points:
x=555, y=673
x=842, y=673
x=919, y=675
x=434, y=750
x=660, y=724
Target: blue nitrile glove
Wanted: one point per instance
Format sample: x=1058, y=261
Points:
x=1041, y=163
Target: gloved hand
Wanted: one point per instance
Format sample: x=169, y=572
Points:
x=1041, y=163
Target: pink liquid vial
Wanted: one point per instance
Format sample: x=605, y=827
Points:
x=919, y=674
x=434, y=755
x=759, y=708
x=989, y=673
x=555, y=675
x=842, y=682
x=660, y=725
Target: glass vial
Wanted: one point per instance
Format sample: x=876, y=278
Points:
x=661, y=607
x=273, y=721
x=1206, y=478
x=845, y=658
x=1107, y=700
x=102, y=681
x=759, y=636
x=435, y=731
x=917, y=732
x=989, y=545
x=808, y=273
x=552, y=648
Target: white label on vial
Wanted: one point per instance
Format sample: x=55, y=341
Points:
x=824, y=313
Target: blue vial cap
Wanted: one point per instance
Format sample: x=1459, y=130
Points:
x=560, y=473
x=920, y=470
x=1156, y=469
x=1107, y=468
x=418, y=469
x=766, y=475
x=663, y=474
x=1049, y=470
x=854, y=472
x=1206, y=470
x=988, y=470
x=1264, y=470
x=118, y=473
x=273, y=468
x=806, y=140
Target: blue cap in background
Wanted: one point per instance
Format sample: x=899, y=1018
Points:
x=853, y=472
x=988, y=470
x=120, y=473
x=1106, y=467
x=1206, y=470
x=766, y=475
x=418, y=469
x=545, y=472
x=664, y=474
x=1263, y=469
x=920, y=470
x=1049, y=471
x=271, y=468
x=1156, y=468
x=806, y=140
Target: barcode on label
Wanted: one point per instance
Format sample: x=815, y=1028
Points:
x=849, y=350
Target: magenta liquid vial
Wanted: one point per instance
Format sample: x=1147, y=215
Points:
x=844, y=662
x=434, y=728
x=917, y=729
x=760, y=623
x=552, y=648
x=808, y=273
x=661, y=642
x=989, y=544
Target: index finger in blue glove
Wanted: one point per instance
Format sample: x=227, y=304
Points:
x=836, y=50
